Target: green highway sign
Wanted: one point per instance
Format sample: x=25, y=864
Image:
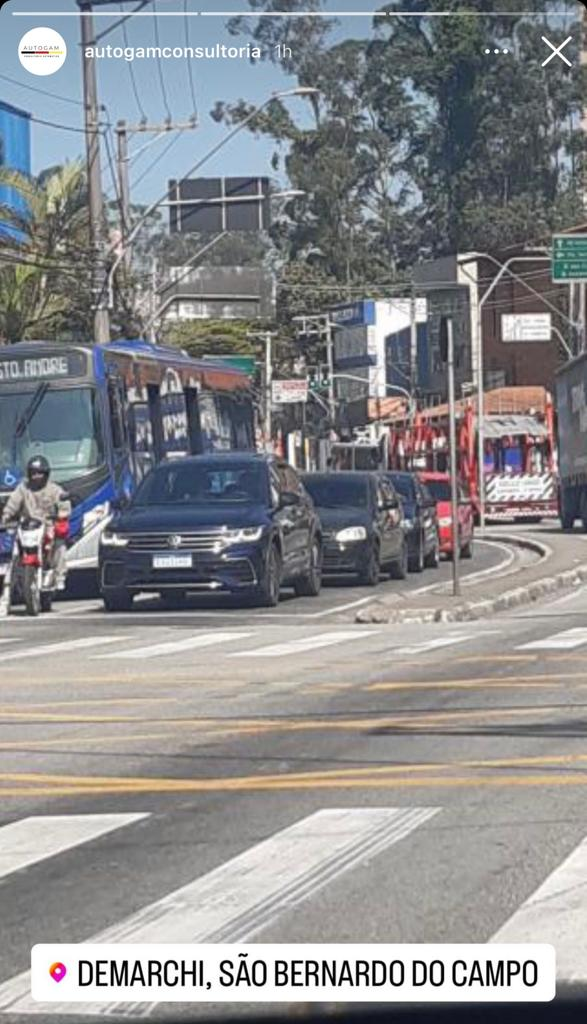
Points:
x=569, y=258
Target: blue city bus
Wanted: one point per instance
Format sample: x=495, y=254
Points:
x=103, y=416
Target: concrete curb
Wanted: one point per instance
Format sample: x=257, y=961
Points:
x=469, y=611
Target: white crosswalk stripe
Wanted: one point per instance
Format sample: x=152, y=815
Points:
x=173, y=646
x=432, y=645
x=63, y=646
x=303, y=644
x=558, y=642
x=556, y=913
x=34, y=839
x=236, y=900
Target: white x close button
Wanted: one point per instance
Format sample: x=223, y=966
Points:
x=556, y=51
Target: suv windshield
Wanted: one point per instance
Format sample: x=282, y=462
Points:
x=403, y=484
x=439, y=489
x=204, y=483
x=333, y=491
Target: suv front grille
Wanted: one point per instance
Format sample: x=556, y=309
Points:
x=204, y=541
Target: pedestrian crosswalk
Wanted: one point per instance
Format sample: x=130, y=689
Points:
x=235, y=901
x=566, y=640
x=164, y=643
x=252, y=892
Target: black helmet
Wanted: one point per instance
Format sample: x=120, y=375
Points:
x=38, y=469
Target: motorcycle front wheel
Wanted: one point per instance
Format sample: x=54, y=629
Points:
x=31, y=591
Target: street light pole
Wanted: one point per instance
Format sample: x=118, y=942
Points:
x=95, y=196
x=454, y=499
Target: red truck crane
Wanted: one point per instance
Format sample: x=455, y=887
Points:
x=519, y=450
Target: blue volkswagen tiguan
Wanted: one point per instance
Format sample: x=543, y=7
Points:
x=239, y=522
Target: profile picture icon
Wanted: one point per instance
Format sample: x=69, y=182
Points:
x=42, y=51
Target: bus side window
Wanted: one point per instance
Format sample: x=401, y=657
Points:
x=154, y=400
x=141, y=437
x=195, y=445
x=117, y=421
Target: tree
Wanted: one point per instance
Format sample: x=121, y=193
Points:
x=44, y=255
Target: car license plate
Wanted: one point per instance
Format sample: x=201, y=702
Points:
x=172, y=561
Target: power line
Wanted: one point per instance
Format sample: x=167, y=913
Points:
x=156, y=160
x=42, y=92
x=188, y=61
x=66, y=127
x=159, y=68
x=128, y=63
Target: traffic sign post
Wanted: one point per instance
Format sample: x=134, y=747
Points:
x=569, y=258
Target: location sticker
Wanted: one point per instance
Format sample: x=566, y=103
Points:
x=58, y=971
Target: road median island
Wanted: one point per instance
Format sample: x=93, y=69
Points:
x=557, y=568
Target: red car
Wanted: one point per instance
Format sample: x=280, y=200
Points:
x=439, y=486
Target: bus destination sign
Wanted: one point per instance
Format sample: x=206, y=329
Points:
x=42, y=367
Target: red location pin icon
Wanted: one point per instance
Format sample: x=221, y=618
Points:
x=58, y=971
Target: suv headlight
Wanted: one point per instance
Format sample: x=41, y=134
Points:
x=351, y=533
x=113, y=540
x=245, y=536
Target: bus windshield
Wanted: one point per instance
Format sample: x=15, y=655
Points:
x=62, y=426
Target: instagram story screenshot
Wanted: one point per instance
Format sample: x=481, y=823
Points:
x=293, y=511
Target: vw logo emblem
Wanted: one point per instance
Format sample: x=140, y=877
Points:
x=174, y=541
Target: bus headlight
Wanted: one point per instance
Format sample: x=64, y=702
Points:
x=113, y=540
x=95, y=516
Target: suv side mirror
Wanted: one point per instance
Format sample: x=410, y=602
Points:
x=288, y=499
x=119, y=503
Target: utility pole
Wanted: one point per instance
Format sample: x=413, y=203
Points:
x=330, y=361
x=123, y=186
x=413, y=341
x=268, y=380
x=123, y=130
x=447, y=350
x=95, y=196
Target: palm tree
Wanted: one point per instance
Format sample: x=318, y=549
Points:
x=44, y=253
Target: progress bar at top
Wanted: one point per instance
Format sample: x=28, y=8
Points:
x=291, y=14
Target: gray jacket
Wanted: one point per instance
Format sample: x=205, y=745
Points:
x=50, y=500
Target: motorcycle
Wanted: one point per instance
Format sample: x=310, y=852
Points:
x=26, y=563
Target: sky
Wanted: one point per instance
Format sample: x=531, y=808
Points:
x=214, y=80
x=169, y=156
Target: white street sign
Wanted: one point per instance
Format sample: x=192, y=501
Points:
x=526, y=327
x=285, y=391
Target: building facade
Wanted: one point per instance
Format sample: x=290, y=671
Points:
x=15, y=151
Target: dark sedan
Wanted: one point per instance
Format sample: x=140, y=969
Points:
x=362, y=530
x=420, y=520
x=237, y=522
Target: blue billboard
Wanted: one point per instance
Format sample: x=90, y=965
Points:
x=15, y=152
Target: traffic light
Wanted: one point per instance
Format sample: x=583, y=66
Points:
x=318, y=377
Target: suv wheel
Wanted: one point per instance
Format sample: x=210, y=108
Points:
x=309, y=585
x=369, y=575
x=117, y=601
x=432, y=559
x=416, y=563
x=267, y=592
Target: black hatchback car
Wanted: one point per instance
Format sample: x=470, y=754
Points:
x=361, y=517
x=237, y=522
x=420, y=520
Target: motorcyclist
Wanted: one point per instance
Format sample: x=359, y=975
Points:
x=39, y=498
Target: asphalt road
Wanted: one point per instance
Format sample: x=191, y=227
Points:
x=408, y=783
